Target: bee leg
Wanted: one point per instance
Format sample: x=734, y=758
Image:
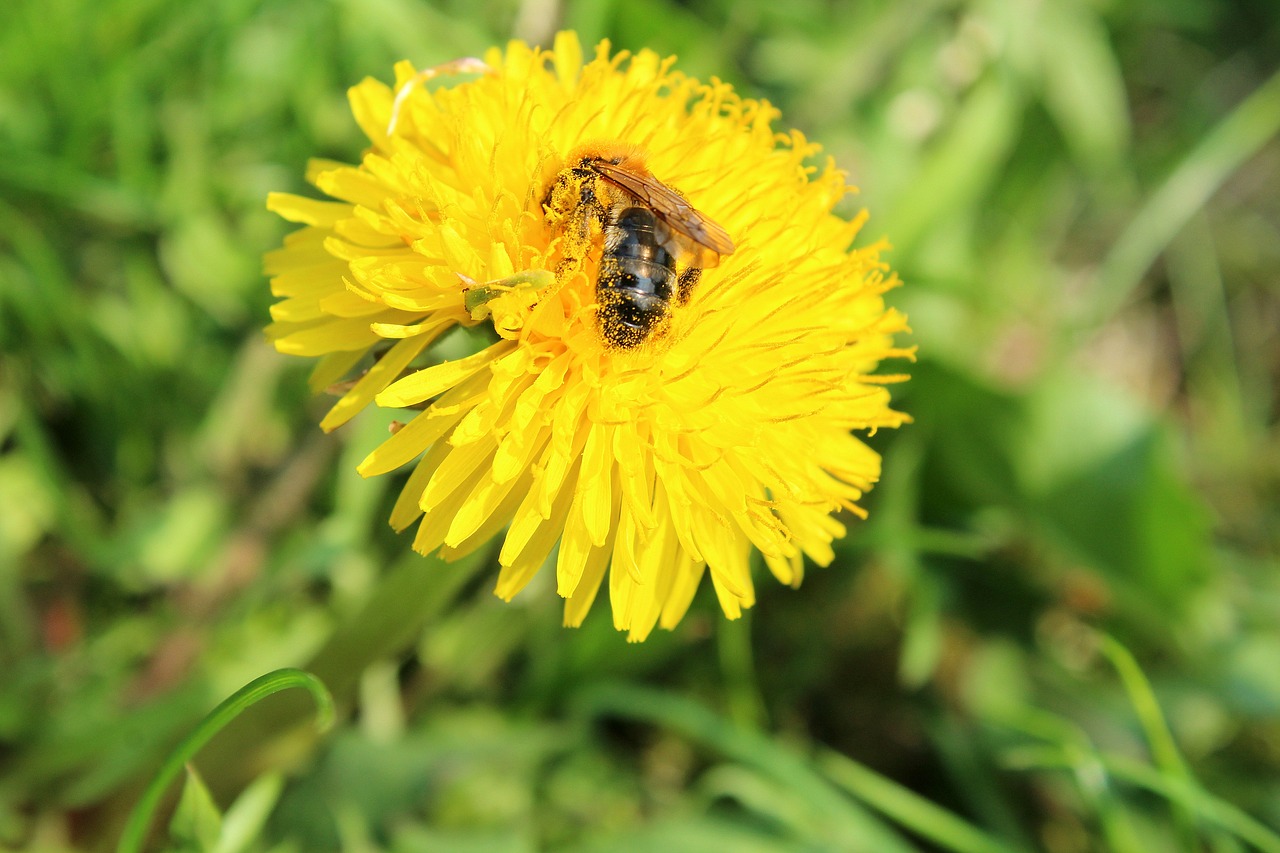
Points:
x=572, y=207
x=685, y=283
x=590, y=210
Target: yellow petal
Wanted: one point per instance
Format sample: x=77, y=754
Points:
x=331, y=368
x=323, y=338
x=439, y=378
x=494, y=519
x=423, y=431
x=597, y=502
x=308, y=211
x=384, y=370
x=406, y=510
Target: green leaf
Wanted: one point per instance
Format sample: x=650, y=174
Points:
x=970, y=460
x=28, y=508
x=1135, y=518
x=1103, y=480
x=246, y=817
x=197, y=823
x=959, y=167
x=173, y=543
x=1082, y=84
x=1074, y=424
x=922, y=633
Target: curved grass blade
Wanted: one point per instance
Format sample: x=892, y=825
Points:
x=135, y=831
x=1164, y=751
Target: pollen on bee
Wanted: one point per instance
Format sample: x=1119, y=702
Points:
x=624, y=155
x=652, y=244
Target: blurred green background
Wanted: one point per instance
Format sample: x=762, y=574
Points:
x=1084, y=200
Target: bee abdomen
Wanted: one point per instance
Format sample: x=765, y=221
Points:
x=637, y=280
x=634, y=295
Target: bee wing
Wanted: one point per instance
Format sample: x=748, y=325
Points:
x=672, y=208
x=688, y=252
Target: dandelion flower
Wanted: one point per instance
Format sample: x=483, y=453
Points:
x=655, y=462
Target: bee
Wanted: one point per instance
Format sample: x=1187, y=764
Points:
x=655, y=244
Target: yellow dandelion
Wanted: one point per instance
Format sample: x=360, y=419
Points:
x=657, y=436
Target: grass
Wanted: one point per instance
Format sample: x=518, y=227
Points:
x=1083, y=203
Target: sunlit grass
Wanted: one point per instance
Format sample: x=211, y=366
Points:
x=1083, y=200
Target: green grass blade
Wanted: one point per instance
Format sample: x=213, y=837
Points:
x=1186, y=191
x=1195, y=800
x=913, y=812
x=1163, y=749
x=135, y=831
x=908, y=808
x=837, y=819
x=1143, y=698
x=1094, y=784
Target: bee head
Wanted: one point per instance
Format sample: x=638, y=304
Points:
x=613, y=152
